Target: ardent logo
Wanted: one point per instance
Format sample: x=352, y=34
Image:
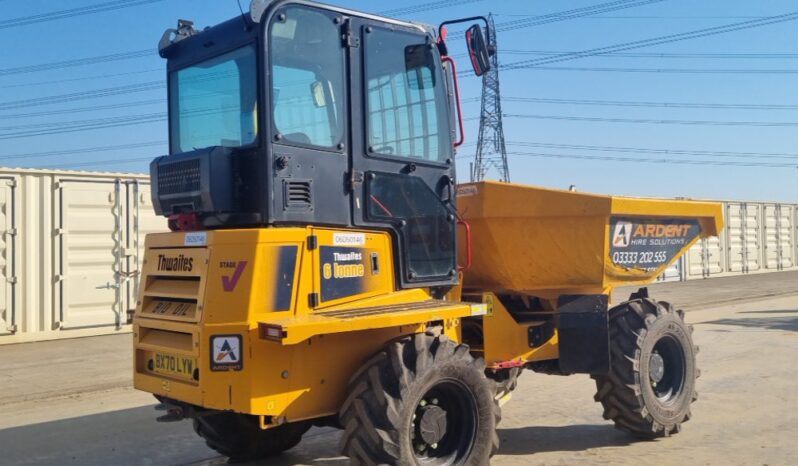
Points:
x=180, y=263
x=623, y=234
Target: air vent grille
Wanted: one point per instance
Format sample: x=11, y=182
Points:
x=298, y=194
x=179, y=177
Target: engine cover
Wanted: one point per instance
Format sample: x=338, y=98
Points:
x=198, y=182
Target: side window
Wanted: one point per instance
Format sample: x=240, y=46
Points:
x=428, y=230
x=307, y=78
x=406, y=99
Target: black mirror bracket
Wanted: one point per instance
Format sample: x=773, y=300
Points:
x=480, y=47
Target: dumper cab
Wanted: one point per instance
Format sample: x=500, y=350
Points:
x=313, y=115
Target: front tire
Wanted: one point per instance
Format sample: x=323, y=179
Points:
x=240, y=437
x=423, y=400
x=651, y=383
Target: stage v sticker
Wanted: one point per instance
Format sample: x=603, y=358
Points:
x=648, y=244
x=226, y=353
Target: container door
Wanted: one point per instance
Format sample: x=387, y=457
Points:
x=778, y=236
x=90, y=249
x=744, y=243
x=141, y=221
x=705, y=258
x=8, y=233
x=786, y=240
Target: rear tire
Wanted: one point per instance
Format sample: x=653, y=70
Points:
x=422, y=400
x=240, y=437
x=651, y=383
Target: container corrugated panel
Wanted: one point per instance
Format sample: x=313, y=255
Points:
x=778, y=236
x=744, y=244
x=70, y=243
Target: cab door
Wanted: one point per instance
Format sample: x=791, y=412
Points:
x=402, y=175
x=308, y=124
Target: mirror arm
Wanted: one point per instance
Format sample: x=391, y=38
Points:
x=488, y=32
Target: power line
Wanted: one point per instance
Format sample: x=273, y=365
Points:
x=660, y=161
x=426, y=7
x=652, y=70
x=75, y=96
x=625, y=103
x=74, y=128
x=668, y=161
x=89, y=122
x=656, y=121
x=658, y=40
x=78, y=62
x=575, y=14
x=653, y=17
x=644, y=150
x=73, y=12
x=83, y=150
x=566, y=15
x=83, y=109
x=85, y=78
x=669, y=55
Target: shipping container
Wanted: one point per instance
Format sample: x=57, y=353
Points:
x=70, y=248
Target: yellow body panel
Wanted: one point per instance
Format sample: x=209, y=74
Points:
x=235, y=282
x=546, y=243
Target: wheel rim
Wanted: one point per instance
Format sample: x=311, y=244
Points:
x=666, y=373
x=444, y=425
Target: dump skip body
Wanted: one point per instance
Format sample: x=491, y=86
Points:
x=544, y=242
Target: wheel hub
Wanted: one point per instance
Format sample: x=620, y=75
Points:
x=656, y=368
x=432, y=426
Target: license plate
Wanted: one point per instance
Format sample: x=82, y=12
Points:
x=174, y=366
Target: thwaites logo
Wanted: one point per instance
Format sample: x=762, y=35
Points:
x=179, y=263
x=345, y=265
x=226, y=353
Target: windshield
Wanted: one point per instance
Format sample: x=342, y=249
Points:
x=214, y=103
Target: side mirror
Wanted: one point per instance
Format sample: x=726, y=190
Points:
x=478, y=50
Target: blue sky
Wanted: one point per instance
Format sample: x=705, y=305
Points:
x=765, y=67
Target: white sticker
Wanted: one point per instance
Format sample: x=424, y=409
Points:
x=349, y=239
x=469, y=190
x=198, y=238
x=226, y=353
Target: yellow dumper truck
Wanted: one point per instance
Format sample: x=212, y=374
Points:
x=326, y=268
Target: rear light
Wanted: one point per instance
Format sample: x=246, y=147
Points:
x=271, y=332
